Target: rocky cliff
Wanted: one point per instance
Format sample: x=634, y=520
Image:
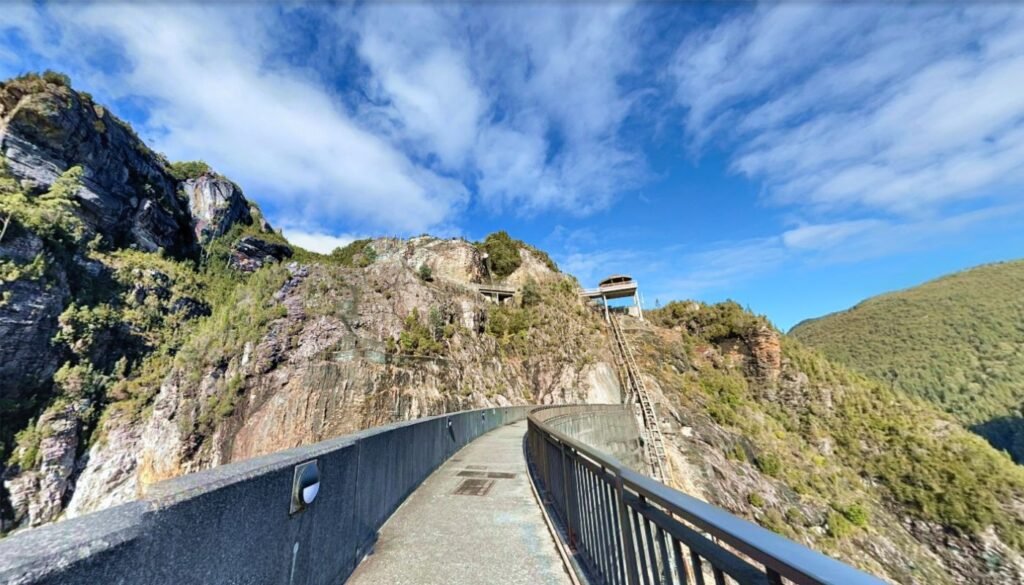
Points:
x=153, y=324
x=87, y=213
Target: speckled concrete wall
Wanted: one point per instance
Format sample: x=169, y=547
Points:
x=609, y=428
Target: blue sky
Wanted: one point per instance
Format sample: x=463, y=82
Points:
x=794, y=157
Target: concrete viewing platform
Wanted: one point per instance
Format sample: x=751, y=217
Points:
x=474, y=520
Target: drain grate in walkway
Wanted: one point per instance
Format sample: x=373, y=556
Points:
x=474, y=487
x=487, y=474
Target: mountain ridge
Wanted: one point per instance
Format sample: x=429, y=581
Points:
x=954, y=340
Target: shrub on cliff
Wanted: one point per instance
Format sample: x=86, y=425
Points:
x=425, y=273
x=531, y=293
x=418, y=338
x=191, y=169
x=51, y=215
x=502, y=254
x=708, y=322
x=359, y=254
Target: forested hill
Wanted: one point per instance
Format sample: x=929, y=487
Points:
x=957, y=341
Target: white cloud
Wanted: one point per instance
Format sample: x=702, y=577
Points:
x=526, y=100
x=722, y=267
x=899, y=110
x=854, y=241
x=318, y=241
x=210, y=94
x=420, y=67
x=824, y=236
x=522, y=105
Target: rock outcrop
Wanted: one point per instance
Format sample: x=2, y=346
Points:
x=251, y=253
x=28, y=321
x=216, y=205
x=126, y=194
x=61, y=301
x=39, y=495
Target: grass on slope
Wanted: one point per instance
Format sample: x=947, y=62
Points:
x=957, y=342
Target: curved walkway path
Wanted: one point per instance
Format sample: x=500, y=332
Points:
x=474, y=520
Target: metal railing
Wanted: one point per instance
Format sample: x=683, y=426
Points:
x=626, y=528
x=609, y=289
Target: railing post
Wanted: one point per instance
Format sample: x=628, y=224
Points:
x=632, y=577
x=565, y=499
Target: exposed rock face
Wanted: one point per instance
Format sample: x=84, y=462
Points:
x=39, y=495
x=448, y=259
x=216, y=204
x=108, y=470
x=766, y=351
x=28, y=321
x=127, y=194
x=324, y=369
x=532, y=268
x=760, y=351
x=603, y=384
x=250, y=253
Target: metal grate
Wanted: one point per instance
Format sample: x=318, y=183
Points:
x=474, y=487
x=487, y=474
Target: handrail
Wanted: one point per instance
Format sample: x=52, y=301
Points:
x=628, y=528
x=608, y=288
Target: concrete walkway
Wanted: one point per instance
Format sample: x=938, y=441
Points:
x=474, y=520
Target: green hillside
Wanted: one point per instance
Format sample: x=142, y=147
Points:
x=957, y=341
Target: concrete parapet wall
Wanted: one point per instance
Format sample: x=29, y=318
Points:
x=231, y=524
x=609, y=428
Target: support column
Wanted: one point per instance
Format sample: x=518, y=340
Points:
x=639, y=307
x=606, y=316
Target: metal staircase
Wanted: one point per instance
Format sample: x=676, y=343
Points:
x=636, y=393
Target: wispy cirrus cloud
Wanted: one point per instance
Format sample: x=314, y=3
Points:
x=525, y=100
x=396, y=120
x=209, y=94
x=862, y=108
